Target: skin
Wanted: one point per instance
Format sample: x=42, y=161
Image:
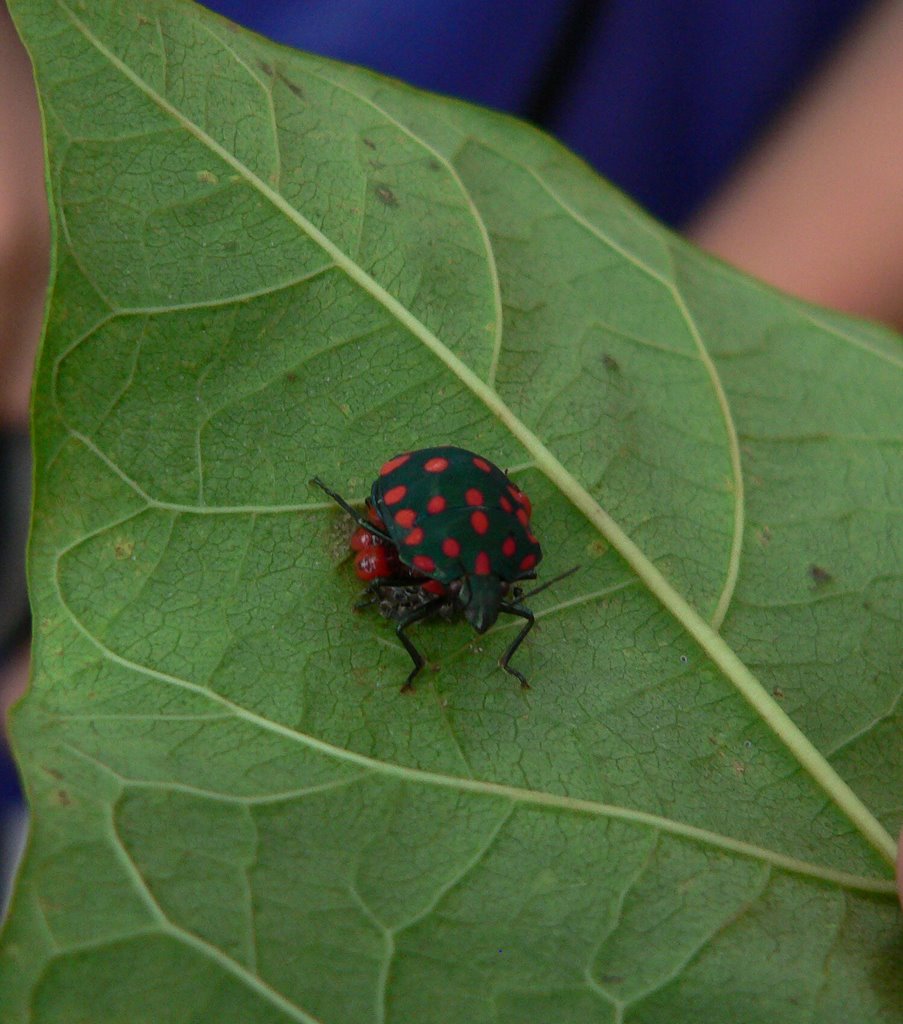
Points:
x=24, y=227
x=816, y=210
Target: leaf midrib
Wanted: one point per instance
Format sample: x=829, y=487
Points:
x=711, y=642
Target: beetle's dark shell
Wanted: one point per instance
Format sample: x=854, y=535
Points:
x=451, y=513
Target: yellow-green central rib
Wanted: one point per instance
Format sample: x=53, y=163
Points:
x=708, y=639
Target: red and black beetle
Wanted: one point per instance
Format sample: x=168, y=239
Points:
x=445, y=532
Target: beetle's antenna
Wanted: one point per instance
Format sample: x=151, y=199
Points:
x=353, y=512
x=548, y=583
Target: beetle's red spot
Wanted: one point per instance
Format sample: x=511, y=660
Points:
x=481, y=566
x=436, y=465
x=509, y=546
x=393, y=464
x=523, y=517
x=482, y=464
x=474, y=497
x=435, y=504
x=527, y=562
x=433, y=587
x=414, y=537
x=395, y=494
x=451, y=547
x=424, y=563
x=479, y=521
x=506, y=504
x=405, y=517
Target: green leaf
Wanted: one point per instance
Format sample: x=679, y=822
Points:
x=270, y=266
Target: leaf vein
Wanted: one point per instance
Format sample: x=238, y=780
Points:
x=718, y=650
x=529, y=797
x=206, y=949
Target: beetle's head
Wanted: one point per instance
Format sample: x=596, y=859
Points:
x=480, y=596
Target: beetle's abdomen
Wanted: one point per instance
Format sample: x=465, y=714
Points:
x=451, y=512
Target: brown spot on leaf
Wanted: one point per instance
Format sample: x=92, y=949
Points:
x=369, y=143
x=777, y=693
x=296, y=90
x=610, y=363
x=819, y=575
x=385, y=195
x=123, y=549
x=267, y=69
x=763, y=536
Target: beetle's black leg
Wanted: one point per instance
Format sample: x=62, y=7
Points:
x=353, y=512
x=366, y=599
x=415, y=616
x=524, y=613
